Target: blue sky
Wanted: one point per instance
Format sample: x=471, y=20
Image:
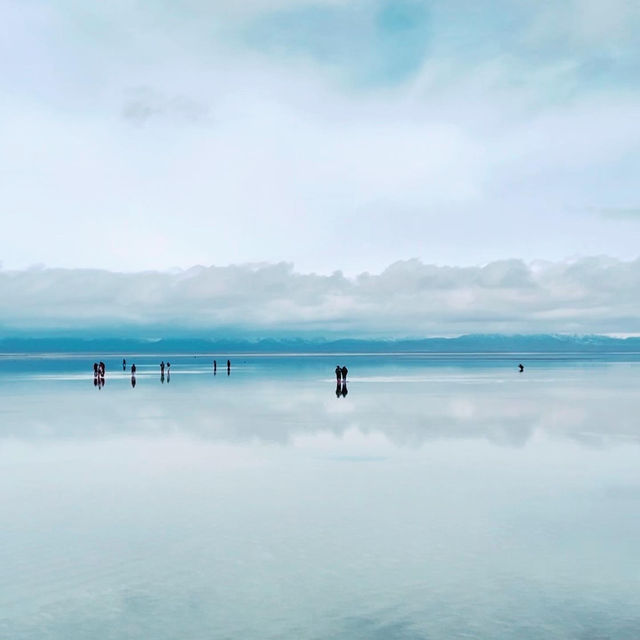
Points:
x=330, y=135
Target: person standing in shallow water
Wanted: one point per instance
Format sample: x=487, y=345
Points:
x=344, y=374
x=215, y=367
x=228, y=367
x=521, y=367
x=338, y=373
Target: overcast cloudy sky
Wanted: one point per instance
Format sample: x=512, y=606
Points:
x=328, y=134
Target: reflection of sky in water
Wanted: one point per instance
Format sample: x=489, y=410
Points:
x=436, y=500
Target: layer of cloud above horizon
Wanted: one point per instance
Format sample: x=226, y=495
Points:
x=408, y=299
x=326, y=133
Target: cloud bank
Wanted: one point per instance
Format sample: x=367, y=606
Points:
x=407, y=299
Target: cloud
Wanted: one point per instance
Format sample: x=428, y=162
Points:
x=629, y=213
x=451, y=131
x=143, y=103
x=409, y=298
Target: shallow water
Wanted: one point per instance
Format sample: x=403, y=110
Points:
x=443, y=497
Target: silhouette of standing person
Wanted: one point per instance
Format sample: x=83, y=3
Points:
x=338, y=373
x=228, y=367
x=344, y=374
x=521, y=367
x=162, y=367
x=133, y=370
x=124, y=364
x=215, y=367
x=95, y=369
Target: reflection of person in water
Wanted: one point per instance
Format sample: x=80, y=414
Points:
x=228, y=367
x=133, y=381
x=215, y=367
x=162, y=376
x=344, y=373
x=168, y=376
x=338, y=373
x=521, y=367
x=341, y=389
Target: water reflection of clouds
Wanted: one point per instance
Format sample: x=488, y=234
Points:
x=593, y=410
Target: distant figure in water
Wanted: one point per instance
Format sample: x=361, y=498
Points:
x=162, y=368
x=102, y=368
x=228, y=367
x=338, y=373
x=133, y=381
x=168, y=367
x=95, y=369
x=344, y=374
x=124, y=364
x=521, y=367
x=215, y=367
x=133, y=370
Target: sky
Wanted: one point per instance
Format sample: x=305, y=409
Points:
x=316, y=137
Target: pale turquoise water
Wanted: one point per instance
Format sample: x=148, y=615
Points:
x=443, y=497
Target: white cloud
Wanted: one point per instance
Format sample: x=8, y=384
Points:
x=591, y=295
x=244, y=156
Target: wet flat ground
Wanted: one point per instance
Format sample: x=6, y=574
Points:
x=436, y=497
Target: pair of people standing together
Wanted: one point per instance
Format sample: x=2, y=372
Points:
x=341, y=373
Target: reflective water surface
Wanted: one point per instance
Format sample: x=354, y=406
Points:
x=439, y=497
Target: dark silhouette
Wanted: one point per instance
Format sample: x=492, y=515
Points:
x=102, y=368
x=338, y=389
x=344, y=389
x=521, y=367
x=124, y=364
x=168, y=367
x=338, y=373
x=215, y=367
x=133, y=370
x=162, y=377
x=95, y=381
x=168, y=377
x=95, y=368
x=344, y=373
x=228, y=367
x=133, y=380
x=162, y=367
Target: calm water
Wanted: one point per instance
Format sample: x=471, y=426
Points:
x=443, y=497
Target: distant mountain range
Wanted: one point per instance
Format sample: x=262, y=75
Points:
x=476, y=343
